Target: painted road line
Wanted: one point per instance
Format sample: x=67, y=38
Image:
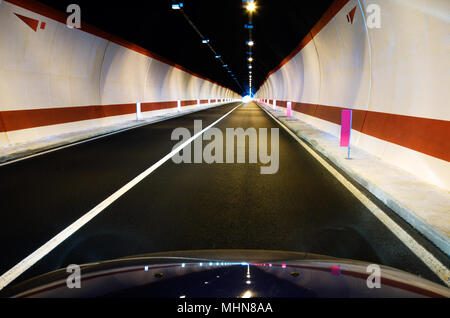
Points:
x=30, y=260
x=430, y=261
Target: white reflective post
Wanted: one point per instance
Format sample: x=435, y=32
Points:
x=179, y=105
x=138, y=111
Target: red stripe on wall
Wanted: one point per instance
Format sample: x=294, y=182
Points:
x=188, y=103
x=23, y=119
x=308, y=109
x=281, y=103
x=2, y=124
x=429, y=136
x=425, y=135
x=146, y=107
x=331, y=114
x=32, y=118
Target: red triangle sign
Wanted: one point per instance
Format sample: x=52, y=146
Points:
x=352, y=15
x=32, y=23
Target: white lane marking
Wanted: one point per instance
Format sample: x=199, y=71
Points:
x=56, y=148
x=433, y=263
x=30, y=260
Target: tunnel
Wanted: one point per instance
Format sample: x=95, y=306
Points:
x=237, y=133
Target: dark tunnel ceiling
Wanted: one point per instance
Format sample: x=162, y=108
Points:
x=279, y=28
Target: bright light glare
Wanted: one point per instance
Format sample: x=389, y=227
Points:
x=247, y=99
x=251, y=6
x=247, y=294
x=250, y=43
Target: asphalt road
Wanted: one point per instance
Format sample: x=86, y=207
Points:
x=187, y=206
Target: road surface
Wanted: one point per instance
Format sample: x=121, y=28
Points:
x=188, y=206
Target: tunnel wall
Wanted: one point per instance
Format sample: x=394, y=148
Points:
x=56, y=80
x=395, y=78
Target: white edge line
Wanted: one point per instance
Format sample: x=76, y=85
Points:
x=34, y=257
x=430, y=261
x=106, y=134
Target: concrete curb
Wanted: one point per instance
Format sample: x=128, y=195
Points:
x=23, y=151
x=427, y=203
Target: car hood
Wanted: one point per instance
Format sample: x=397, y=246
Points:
x=229, y=274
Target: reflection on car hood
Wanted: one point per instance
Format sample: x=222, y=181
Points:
x=230, y=273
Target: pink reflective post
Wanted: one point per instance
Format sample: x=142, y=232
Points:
x=346, y=129
x=289, y=109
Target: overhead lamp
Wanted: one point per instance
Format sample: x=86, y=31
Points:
x=204, y=41
x=251, y=6
x=218, y=56
x=250, y=59
x=250, y=43
x=177, y=6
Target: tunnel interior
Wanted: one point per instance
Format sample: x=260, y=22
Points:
x=124, y=131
